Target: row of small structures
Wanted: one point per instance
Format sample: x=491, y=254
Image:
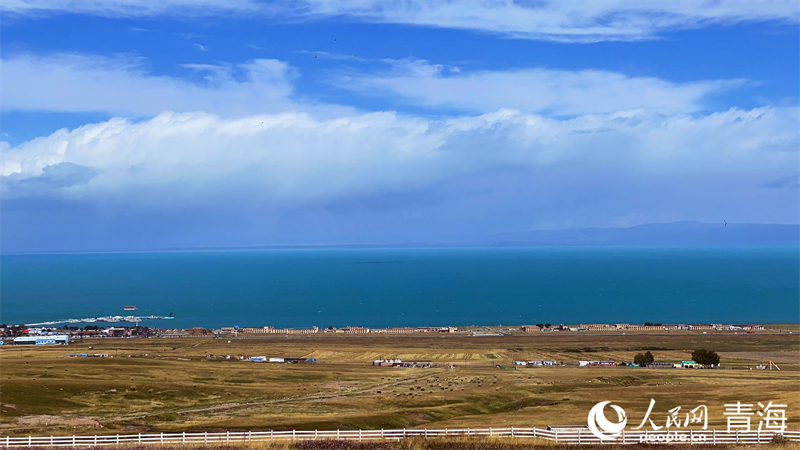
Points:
x=475, y=330
x=42, y=336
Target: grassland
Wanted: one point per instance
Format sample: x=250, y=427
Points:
x=170, y=385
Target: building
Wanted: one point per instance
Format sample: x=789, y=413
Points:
x=200, y=331
x=87, y=333
x=530, y=328
x=58, y=339
x=355, y=330
x=174, y=334
x=596, y=363
x=388, y=362
x=299, y=360
x=688, y=365
x=659, y=365
x=540, y=363
x=597, y=327
x=116, y=332
x=397, y=330
x=272, y=330
x=418, y=363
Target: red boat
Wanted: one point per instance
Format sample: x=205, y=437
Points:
x=130, y=308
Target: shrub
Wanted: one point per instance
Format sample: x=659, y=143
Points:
x=779, y=439
x=705, y=357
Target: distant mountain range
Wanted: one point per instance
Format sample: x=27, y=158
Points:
x=675, y=233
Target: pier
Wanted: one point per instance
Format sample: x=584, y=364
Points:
x=109, y=319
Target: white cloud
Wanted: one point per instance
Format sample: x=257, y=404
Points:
x=538, y=90
x=130, y=8
x=122, y=85
x=571, y=21
x=200, y=47
x=586, y=21
x=292, y=158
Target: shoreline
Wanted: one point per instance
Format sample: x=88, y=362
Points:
x=96, y=332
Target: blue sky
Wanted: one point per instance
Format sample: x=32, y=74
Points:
x=137, y=125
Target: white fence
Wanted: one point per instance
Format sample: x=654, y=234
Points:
x=576, y=437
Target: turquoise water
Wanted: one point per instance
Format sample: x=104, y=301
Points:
x=415, y=287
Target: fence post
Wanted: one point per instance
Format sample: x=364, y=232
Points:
x=227, y=436
x=623, y=436
x=382, y=433
x=205, y=437
x=714, y=436
x=555, y=435
x=404, y=433
x=490, y=431
x=758, y=435
x=293, y=434
x=139, y=439
x=73, y=440
x=162, y=437
x=445, y=432
x=337, y=434
x=117, y=438
x=316, y=434
x=534, y=432
x=467, y=431
x=512, y=432
x=737, y=436
x=359, y=435
x=579, y=436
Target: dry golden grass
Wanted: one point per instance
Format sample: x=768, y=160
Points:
x=175, y=387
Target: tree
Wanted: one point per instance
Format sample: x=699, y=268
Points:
x=705, y=357
x=540, y=325
x=649, y=357
x=640, y=359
